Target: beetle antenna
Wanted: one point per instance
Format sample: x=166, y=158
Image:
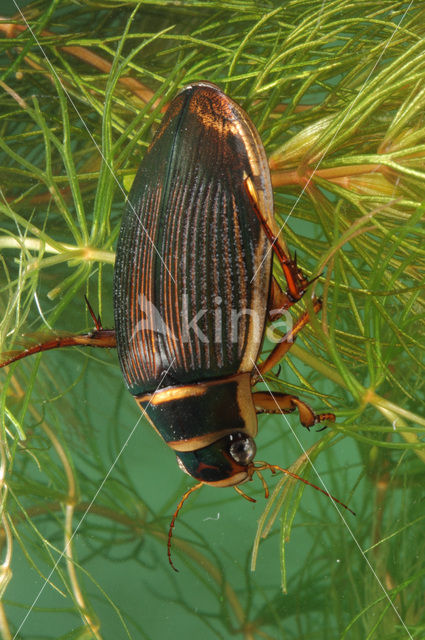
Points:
x=176, y=513
x=275, y=467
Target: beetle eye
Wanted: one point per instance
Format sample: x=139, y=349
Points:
x=242, y=448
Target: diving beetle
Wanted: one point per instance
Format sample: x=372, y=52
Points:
x=194, y=291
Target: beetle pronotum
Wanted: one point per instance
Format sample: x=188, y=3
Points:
x=193, y=291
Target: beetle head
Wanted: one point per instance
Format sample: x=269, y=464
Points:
x=224, y=463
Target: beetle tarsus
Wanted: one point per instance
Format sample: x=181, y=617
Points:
x=321, y=417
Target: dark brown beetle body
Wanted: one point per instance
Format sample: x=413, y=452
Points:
x=192, y=280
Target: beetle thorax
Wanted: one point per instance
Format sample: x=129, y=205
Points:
x=211, y=425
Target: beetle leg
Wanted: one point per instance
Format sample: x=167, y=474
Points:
x=267, y=402
x=295, y=279
x=262, y=466
x=99, y=337
x=243, y=494
x=96, y=319
x=277, y=302
x=282, y=347
x=104, y=338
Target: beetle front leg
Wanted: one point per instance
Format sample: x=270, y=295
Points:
x=271, y=402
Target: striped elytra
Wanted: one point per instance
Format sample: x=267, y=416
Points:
x=193, y=267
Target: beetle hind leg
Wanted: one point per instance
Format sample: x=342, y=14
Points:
x=296, y=280
x=99, y=337
x=268, y=402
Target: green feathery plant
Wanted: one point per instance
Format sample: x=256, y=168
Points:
x=337, y=91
